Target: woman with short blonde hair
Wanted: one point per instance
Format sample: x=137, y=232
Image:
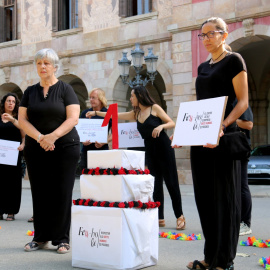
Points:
x=101, y=96
x=98, y=102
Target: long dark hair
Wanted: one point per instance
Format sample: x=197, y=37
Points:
x=143, y=97
x=17, y=102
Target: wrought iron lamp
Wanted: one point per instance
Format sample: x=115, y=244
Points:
x=137, y=59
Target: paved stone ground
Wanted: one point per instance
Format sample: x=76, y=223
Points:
x=172, y=254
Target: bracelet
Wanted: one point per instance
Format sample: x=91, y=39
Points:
x=224, y=129
x=38, y=138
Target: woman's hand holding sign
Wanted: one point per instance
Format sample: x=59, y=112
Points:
x=221, y=133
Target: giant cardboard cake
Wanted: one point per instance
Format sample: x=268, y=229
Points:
x=108, y=232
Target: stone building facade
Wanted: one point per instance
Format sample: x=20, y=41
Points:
x=89, y=37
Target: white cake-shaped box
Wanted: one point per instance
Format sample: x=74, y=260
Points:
x=114, y=238
x=108, y=238
x=117, y=188
x=128, y=159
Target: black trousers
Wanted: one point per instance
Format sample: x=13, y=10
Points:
x=217, y=191
x=11, y=188
x=162, y=165
x=52, y=176
x=246, y=201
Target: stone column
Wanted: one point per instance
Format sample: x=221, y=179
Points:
x=122, y=104
x=259, y=131
x=168, y=97
x=183, y=91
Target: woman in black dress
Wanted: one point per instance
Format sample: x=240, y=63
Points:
x=218, y=189
x=151, y=122
x=11, y=184
x=48, y=113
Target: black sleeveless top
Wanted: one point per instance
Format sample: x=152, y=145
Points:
x=146, y=128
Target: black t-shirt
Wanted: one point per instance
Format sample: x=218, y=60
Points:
x=47, y=114
x=216, y=80
x=92, y=145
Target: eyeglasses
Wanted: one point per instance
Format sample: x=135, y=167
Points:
x=209, y=34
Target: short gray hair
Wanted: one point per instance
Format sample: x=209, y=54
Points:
x=51, y=55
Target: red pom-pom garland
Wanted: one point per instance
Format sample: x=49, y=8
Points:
x=114, y=171
x=131, y=204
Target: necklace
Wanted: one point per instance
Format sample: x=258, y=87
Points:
x=213, y=61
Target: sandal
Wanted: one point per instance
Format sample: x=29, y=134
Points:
x=34, y=246
x=181, y=223
x=10, y=217
x=31, y=219
x=63, y=251
x=201, y=264
x=161, y=222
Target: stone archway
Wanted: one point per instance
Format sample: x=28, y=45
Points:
x=258, y=64
x=79, y=88
x=10, y=88
x=254, y=47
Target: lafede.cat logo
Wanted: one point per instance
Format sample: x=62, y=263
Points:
x=98, y=238
x=200, y=121
x=132, y=134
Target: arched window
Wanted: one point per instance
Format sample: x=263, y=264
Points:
x=128, y=8
x=8, y=20
x=65, y=14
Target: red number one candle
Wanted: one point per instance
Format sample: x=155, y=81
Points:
x=112, y=112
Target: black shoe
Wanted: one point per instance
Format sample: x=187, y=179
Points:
x=31, y=219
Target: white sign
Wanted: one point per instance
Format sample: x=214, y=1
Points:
x=96, y=233
x=129, y=136
x=114, y=238
x=9, y=152
x=199, y=122
x=91, y=130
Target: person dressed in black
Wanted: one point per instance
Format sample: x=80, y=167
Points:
x=151, y=123
x=245, y=122
x=216, y=178
x=48, y=113
x=11, y=184
x=98, y=102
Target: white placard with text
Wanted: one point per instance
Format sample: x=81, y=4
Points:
x=91, y=129
x=199, y=122
x=129, y=136
x=9, y=152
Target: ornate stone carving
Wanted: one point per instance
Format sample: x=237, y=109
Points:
x=7, y=71
x=100, y=14
x=65, y=63
x=248, y=27
x=36, y=21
